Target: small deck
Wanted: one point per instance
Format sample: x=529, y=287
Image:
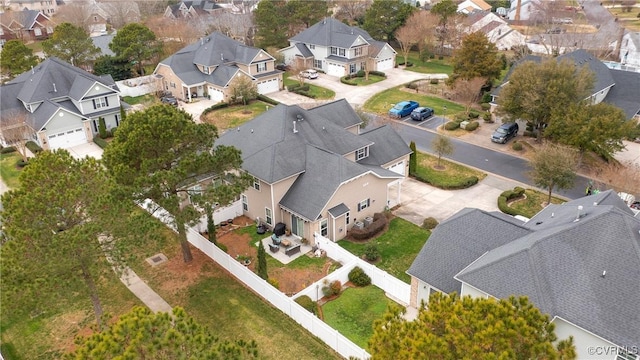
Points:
x=281, y=255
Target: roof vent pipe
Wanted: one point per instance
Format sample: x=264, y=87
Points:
x=295, y=131
x=201, y=41
x=578, y=214
x=604, y=273
x=32, y=71
x=54, y=88
x=222, y=56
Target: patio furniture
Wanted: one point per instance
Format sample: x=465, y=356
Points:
x=279, y=229
x=286, y=243
x=274, y=248
x=275, y=239
x=292, y=250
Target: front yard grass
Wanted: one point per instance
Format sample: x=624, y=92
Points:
x=235, y=115
x=319, y=92
x=354, y=312
x=532, y=203
x=9, y=169
x=451, y=177
x=381, y=102
x=146, y=99
x=628, y=20
x=432, y=66
x=398, y=247
x=362, y=81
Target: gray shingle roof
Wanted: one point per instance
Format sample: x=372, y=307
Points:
x=625, y=94
x=304, y=50
x=272, y=151
x=102, y=42
x=453, y=245
x=338, y=210
x=215, y=50
x=390, y=146
x=70, y=81
x=603, y=78
x=331, y=32
x=560, y=269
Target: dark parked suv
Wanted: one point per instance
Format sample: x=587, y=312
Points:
x=505, y=132
x=421, y=113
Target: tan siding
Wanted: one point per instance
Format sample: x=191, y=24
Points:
x=170, y=77
x=258, y=201
x=406, y=163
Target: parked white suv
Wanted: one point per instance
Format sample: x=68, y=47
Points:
x=309, y=74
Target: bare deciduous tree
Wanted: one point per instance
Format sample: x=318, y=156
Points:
x=409, y=35
x=16, y=130
x=622, y=177
x=76, y=14
x=442, y=146
x=351, y=10
x=468, y=91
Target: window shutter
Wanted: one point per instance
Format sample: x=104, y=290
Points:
x=358, y=206
x=94, y=103
x=106, y=100
x=368, y=203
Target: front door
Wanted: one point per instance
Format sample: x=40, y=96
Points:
x=297, y=226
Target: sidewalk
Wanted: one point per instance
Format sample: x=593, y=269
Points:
x=143, y=292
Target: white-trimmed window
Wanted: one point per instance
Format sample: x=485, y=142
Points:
x=334, y=50
x=324, y=227
x=194, y=191
x=205, y=69
x=363, y=204
x=352, y=68
x=358, y=51
x=347, y=218
x=100, y=103
x=245, y=202
x=262, y=66
x=362, y=153
x=341, y=52
x=312, y=46
x=268, y=216
x=37, y=31
x=256, y=183
x=317, y=64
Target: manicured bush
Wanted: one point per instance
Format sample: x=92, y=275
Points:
x=306, y=302
x=434, y=81
x=485, y=106
x=100, y=142
x=274, y=282
x=429, y=223
x=409, y=64
x=360, y=73
x=371, y=252
x=412, y=85
x=305, y=93
x=21, y=163
x=517, y=146
x=487, y=117
x=462, y=184
x=460, y=118
x=331, y=289
x=507, y=195
x=473, y=115
x=292, y=87
x=358, y=277
x=451, y=125
x=8, y=150
x=378, y=224
x=472, y=126
x=215, y=107
x=530, y=134
x=102, y=127
x=486, y=98
x=346, y=80
x=377, y=73
x=33, y=147
x=267, y=99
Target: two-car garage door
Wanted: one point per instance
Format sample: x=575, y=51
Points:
x=67, y=139
x=385, y=64
x=268, y=86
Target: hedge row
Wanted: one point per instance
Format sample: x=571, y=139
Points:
x=33, y=147
x=378, y=224
x=462, y=184
x=215, y=107
x=306, y=302
x=267, y=99
x=346, y=79
x=517, y=192
x=100, y=142
x=7, y=150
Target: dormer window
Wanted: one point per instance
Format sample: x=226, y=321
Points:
x=362, y=153
x=205, y=69
x=262, y=66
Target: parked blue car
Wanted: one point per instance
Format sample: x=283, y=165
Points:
x=403, y=108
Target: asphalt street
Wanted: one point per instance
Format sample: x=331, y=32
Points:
x=488, y=160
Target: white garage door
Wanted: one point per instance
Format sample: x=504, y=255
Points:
x=398, y=168
x=268, y=86
x=335, y=70
x=67, y=139
x=215, y=94
x=385, y=64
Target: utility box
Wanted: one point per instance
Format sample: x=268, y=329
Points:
x=367, y=221
x=358, y=225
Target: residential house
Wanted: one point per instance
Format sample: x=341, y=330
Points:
x=63, y=103
x=102, y=42
x=26, y=25
x=192, y=9
x=469, y=6
x=630, y=49
x=338, y=49
x=208, y=67
x=47, y=7
x=315, y=171
x=617, y=87
x=578, y=262
x=523, y=10
x=495, y=28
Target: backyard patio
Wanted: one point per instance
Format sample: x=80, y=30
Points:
x=289, y=248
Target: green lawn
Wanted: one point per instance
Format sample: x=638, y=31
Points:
x=432, y=66
x=354, y=312
x=398, y=247
x=532, y=204
x=142, y=99
x=381, y=102
x=362, y=81
x=628, y=20
x=9, y=170
x=319, y=92
x=452, y=174
x=235, y=115
x=36, y=46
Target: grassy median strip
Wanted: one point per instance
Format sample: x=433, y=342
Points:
x=381, y=102
x=450, y=176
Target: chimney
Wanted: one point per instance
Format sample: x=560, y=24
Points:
x=295, y=131
x=54, y=88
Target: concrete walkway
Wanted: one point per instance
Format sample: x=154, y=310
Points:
x=143, y=292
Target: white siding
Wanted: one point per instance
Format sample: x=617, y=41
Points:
x=588, y=346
